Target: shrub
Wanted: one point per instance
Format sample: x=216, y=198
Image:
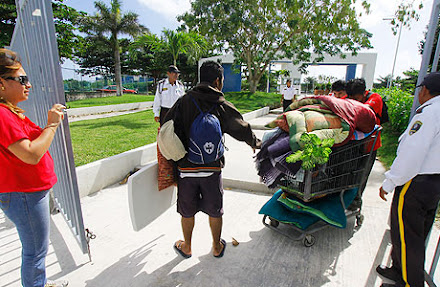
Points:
x=399, y=107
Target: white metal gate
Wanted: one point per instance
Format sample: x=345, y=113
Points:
x=34, y=39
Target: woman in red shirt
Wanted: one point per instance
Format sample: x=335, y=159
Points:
x=26, y=170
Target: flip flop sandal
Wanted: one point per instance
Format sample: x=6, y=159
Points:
x=222, y=241
x=178, y=249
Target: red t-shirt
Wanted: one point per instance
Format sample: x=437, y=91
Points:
x=375, y=101
x=16, y=175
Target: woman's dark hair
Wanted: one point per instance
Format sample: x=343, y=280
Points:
x=356, y=87
x=210, y=71
x=339, y=85
x=9, y=62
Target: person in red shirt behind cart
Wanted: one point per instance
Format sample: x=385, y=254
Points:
x=356, y=90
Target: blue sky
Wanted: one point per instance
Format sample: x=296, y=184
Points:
x=161, y=14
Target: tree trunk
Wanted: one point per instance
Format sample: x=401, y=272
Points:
x=118, y=77
x=253, y=83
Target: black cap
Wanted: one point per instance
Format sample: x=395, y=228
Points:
x=173, y=69
x=432, y=82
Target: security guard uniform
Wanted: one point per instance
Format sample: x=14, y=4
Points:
x=415, y=178
x=166, y=95
x=288, y=96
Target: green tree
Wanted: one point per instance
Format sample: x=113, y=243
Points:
x=151, y=57
x=310, y=83
x=176, y=43
x=66, y=26
x=264, y=30
x=66, y=20
x=8, y=14
x=409, y=81
x=110, y=22
x=382, y=82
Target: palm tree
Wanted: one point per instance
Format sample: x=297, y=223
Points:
x=176, y=43
x=110, y=20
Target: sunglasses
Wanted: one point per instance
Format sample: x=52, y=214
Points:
x=24, y=80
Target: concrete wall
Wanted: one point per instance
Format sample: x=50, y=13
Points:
x=76, y=112
x=75, y=96
x=99, y=174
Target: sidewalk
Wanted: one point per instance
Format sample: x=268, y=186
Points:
x=98, y=112
x=122, y=257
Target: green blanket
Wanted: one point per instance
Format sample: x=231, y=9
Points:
x=303, y=214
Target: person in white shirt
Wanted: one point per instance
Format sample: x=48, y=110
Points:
x=288, y=95
x=415, y=178
x=168, y=91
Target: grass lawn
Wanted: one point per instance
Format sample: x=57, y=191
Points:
x=126, y=98
x=97, y=139
x=247, y=102
x=387, y=153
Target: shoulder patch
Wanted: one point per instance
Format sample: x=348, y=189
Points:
x=161, y=81
x=416, y=126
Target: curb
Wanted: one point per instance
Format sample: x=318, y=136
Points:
x=95, y=110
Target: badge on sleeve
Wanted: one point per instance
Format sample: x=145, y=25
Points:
x=416, y=126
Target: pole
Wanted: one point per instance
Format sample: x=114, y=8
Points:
x=436, y=56
x=390, y=81
x=268, y=79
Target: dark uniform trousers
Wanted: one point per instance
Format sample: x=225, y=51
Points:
x=412, y=215
x=286, y=103
x=163, y=113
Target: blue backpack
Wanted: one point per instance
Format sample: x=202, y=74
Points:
x=205, y=138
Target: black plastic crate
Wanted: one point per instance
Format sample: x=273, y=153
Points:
x=346, y=168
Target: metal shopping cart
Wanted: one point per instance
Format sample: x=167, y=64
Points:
x=348, y=167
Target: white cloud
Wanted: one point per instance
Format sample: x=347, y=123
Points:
x=168, y=8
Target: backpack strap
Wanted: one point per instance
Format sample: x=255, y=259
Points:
x=369, y=94
x=194, y=101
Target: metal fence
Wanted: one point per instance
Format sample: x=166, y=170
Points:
x=34, y=39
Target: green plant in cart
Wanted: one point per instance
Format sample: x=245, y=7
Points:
x=315, y=151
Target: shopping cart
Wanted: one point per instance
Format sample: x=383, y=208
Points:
x=348, y=167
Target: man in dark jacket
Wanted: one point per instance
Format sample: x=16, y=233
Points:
x=200, y=186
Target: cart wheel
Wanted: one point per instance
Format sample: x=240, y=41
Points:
x=359, y=219
x=309, y=240
x=274, y=222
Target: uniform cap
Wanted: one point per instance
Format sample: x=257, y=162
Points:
x=173, y=69
x=432, y=82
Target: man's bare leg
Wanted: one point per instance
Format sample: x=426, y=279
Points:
x=187, y=228
x=216, y=224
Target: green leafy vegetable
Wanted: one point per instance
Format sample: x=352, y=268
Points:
x=315, y=151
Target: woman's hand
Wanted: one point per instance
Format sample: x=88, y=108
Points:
x=55, y=115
